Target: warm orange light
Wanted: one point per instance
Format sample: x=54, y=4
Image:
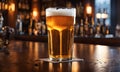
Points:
x=12, y=7
x=35, y=13
x=6, y=6
x=89, y=9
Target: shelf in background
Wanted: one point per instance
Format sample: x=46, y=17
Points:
x=101, y=41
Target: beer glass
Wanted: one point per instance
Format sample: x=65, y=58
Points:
x=60, y=24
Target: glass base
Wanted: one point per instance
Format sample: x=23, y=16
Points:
x=61, y=60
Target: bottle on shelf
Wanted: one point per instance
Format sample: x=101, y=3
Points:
x=86, y=28
x=79, y=12
x=0, y=5
x=3, y=5
x=104, y=25
x=117, y=30
x=104, y=16
x=77, y=26
x=81, y=28
x=26, y=5
x=19, y=25
x=107, y=31
x=44, y=28
x=19, y=4
x=35, y=29
x=39, y=25
x=97, y=31
x=23, y=4
x=103, y=29
x=98, y=16
x=91, y=28
x=1, y=21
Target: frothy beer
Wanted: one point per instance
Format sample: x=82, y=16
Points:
x=60, y=23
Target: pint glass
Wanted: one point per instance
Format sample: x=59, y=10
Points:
x=60, y=23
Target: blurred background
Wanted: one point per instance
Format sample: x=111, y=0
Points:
x=94, y=18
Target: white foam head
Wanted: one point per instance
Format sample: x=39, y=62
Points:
x=61, y=11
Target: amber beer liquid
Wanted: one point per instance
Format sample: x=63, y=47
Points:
x=60, y=24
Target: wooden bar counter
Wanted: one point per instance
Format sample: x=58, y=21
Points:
x=24, y=57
